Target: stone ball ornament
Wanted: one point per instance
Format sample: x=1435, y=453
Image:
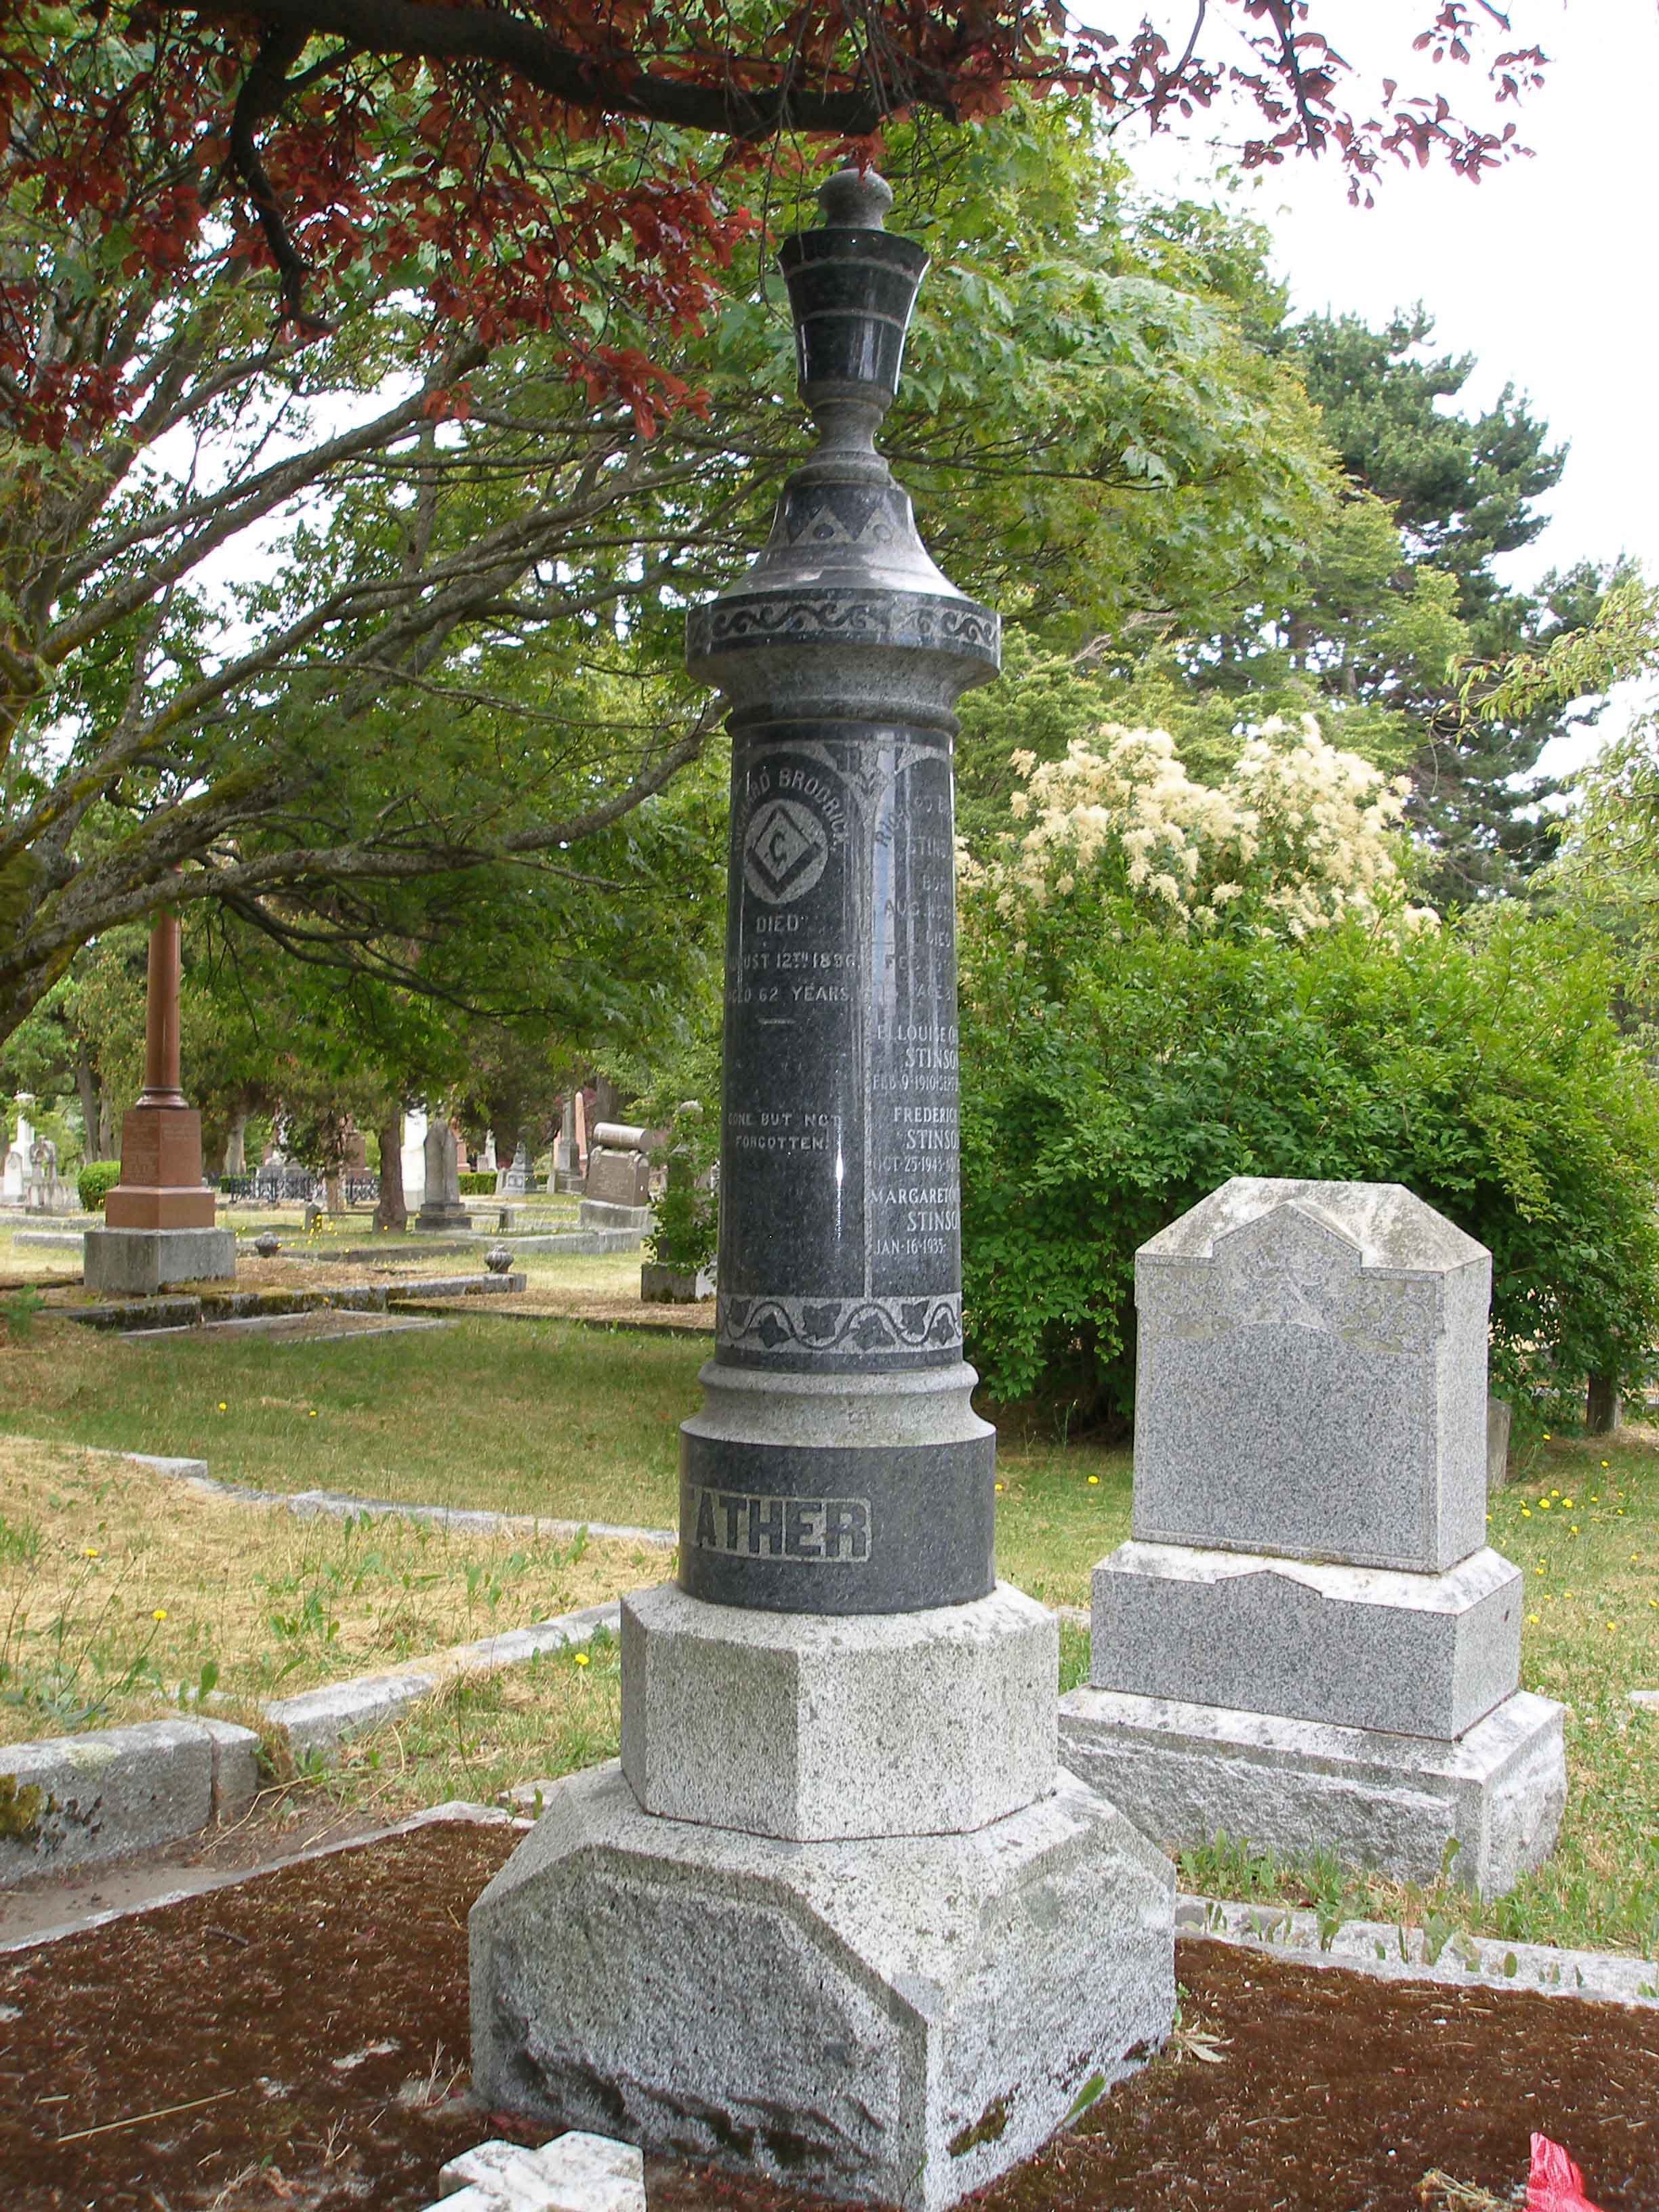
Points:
x=498, y=1259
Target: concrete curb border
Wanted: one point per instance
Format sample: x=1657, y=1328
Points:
x=315, y=1722
x=454, y=1808
x=1390, y=1953
x=308, y=1504
x=79, y=1802
x=184, y=1309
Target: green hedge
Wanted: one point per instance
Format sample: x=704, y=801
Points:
x=478, y=1183
x=1110, y=1081
x=95, y=1178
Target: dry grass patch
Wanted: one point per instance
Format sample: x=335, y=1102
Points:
x=122, y=1590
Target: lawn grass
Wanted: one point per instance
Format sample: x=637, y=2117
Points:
x=577, y=1423
x=550, y=1417
x=121, y=1591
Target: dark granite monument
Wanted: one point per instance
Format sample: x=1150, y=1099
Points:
x=838, y=1915
x=840, y=1307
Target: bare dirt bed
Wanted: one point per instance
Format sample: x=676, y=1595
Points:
x=300, y=2040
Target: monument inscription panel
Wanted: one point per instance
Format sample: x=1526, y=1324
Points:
x=840, y=1239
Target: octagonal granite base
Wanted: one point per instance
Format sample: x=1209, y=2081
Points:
x=897, y=2020
x=811, y=1726
x=1395, y=1804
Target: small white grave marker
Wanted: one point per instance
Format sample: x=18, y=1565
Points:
x=575, y=2172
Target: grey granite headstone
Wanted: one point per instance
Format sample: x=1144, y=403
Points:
x=1309, y=1559
x=837, y=1917
x=1312, y=1377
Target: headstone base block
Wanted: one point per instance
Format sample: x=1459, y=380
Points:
x=1394, y=1804
x=1423, y=1655
x=604, y=1213
x=811, y=1726
x=899, y=2019
x=137, y=1262
x=441, y=1216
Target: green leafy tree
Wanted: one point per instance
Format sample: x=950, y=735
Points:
x=1464, y=489
x=1484, y=1071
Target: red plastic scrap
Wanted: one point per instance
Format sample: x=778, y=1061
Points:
x=1555, y=2185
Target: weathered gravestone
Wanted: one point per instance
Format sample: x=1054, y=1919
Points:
x=837, y=1915
x=412, y=1158
x=1307, y=1642
x=440, y=1200
x=15, y=1171
x=619, y=1166
x=564, y=1146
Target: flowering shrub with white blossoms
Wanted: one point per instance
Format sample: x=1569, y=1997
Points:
x=1297, y=836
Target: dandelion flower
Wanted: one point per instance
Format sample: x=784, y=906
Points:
x=89, y=1550
x=1526, y=1512
x=1094, y=1482
x=1533, y=1618
x=313, y=1415
x=1604, y=1462
x=223, y=1408
x=160, y=1613
x=581, y=1658
x=1546, y=1436
x=1567, y=1501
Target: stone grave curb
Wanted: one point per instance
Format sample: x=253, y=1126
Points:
x=75, y=1801
x=188, y=1309
x=690, y=1331
x=1391, y=1953
x=315, y=1722
x=454, y=1808
x=308, y=1504
x=391, y=1323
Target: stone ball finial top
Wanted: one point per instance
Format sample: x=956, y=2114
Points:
x=855, y=199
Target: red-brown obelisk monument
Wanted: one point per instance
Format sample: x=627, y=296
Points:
x=159, y=1219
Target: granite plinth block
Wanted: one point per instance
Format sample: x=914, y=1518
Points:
x=810, y=1727
x=897, y=2020
x=804, y=1492
x=136, y=1263
x=605, y=1214
x=1360, y=1647
x=675, y=1286
x=1312, y=1377
x=1394, y=1804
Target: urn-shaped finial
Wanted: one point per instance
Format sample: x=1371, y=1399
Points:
x=852, y=287
x=844, y=567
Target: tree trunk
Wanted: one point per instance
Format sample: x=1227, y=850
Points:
x=390, y=1211
x=236, y=1145
x=1603, y=1410
x=333, y=1197
x=607, y=1103
x=94, y=1114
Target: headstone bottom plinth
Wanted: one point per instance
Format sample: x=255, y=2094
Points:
x=1484, y=1808
x=137, y=1262
x=895, y=2018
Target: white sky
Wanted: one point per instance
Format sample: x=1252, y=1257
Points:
x=1544, y=270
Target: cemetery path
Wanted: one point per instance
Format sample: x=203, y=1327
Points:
x=300, y=2040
